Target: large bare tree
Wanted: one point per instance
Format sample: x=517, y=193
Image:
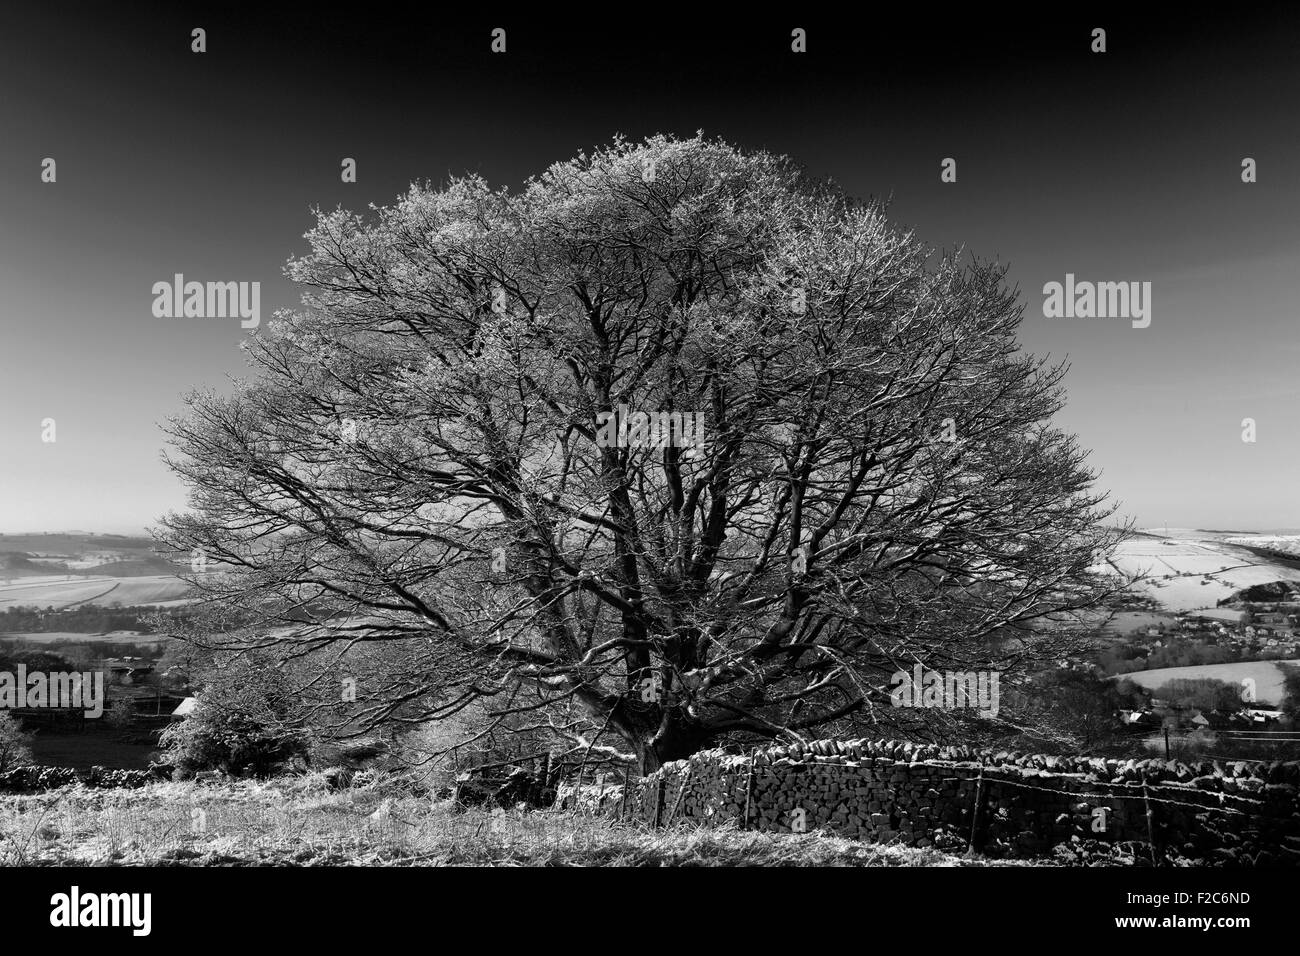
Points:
x=425, y=457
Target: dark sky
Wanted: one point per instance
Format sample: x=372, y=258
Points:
x=1123, y=166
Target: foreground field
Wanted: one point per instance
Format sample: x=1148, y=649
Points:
x=300, y=823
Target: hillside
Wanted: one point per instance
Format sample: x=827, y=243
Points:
x=92, y=555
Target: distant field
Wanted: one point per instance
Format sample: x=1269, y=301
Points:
x=1267, y=676
x=150, y=566
x=148, y=590
x=1186, y=574
x=60, y=592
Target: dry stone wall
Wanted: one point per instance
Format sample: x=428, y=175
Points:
x=33, y=779
x=1001, y=803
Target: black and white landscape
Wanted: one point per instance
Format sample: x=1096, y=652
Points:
x=476, y=438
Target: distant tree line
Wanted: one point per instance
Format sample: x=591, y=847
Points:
x=1201, y=693
x=33, y=660
x=83, y=619
x=1179, y=652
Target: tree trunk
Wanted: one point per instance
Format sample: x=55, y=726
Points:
x=679, y=740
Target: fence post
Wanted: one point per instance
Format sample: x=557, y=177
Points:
x=749, y=792
x=975, y=813
x=622, y=803
x=1151, y=826
x=659, y=801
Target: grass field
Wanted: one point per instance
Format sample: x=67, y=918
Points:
x=301, y=823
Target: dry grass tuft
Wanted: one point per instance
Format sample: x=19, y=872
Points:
x=300, y=822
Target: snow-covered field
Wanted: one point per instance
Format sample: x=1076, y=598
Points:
x=1186, y=573
x=1267, y=676
x=59, y=592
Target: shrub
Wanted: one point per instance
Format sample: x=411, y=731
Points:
x=15, y=743
x=246, y=722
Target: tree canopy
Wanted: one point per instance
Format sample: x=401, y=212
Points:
x=423, y=459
